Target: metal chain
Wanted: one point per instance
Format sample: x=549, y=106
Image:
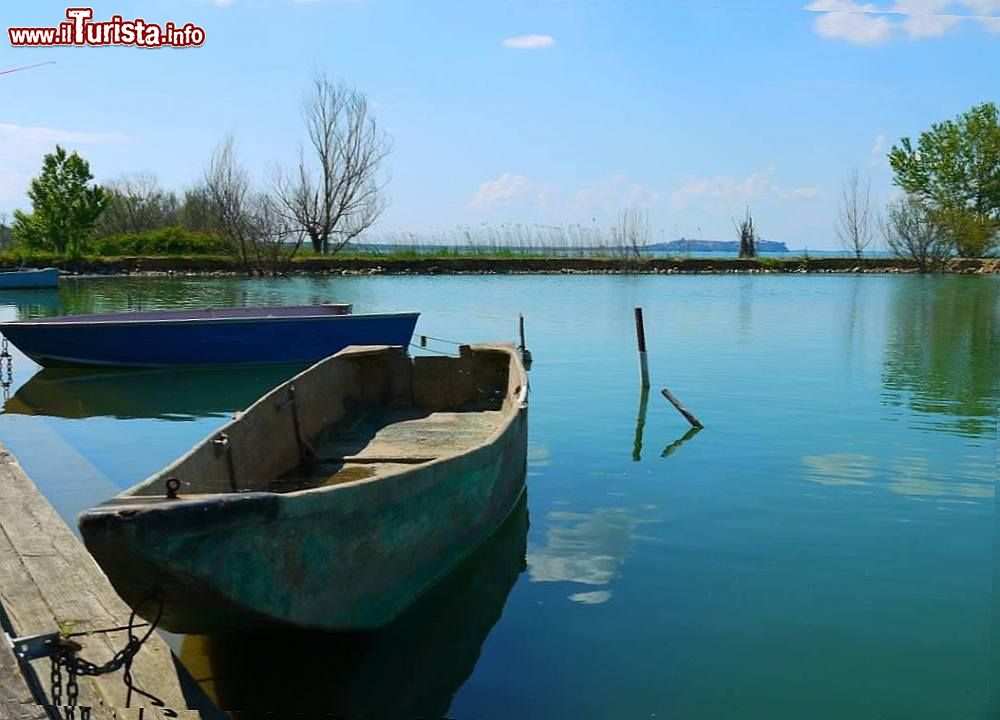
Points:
x=72, y=688
x=6, y=368
x=76, y=666
x=55, y=679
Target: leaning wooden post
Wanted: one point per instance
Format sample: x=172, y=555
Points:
x=520, y=322
x=681, y=409
x=640, y=334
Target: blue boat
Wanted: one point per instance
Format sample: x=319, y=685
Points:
x=194, y=338
x=29, y=278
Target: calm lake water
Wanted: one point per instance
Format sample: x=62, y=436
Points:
x=826, y=548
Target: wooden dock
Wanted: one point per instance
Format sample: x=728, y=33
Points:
x=48, y=582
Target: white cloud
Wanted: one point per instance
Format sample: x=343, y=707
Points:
x=879, y=145
x=847, y=20
x=992, y=24
x=610, y=195
x=924, y=26
x=529, y=42
x=506, y=190
x=756, y=186
x=983, y=7
x=870, y=24
x=807, y=192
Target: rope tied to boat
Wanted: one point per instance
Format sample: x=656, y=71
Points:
x=66, y=657
x=422, y=345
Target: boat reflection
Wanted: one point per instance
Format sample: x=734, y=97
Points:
x=411, y=668
x=163, y=394
x=31, y=303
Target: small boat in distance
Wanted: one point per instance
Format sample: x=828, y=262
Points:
x=195, y=338
x=29, y=278
x=334, y=502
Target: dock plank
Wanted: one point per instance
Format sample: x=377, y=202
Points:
x=48, y=580
x=17, y=701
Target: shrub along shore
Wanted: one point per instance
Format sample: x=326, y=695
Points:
x=348, y=264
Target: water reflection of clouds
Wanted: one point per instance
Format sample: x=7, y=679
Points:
x=597, y=597
x=585, y=548
x=907, y=476
x=538, y=455
x=914, y=476
x=839, y=468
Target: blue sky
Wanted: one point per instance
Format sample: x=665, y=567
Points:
x=531, y=111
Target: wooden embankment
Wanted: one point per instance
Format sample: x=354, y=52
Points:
x=49, y=581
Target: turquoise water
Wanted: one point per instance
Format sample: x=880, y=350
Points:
x=825, y=548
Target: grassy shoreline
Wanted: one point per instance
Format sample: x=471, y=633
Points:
x=486, y=265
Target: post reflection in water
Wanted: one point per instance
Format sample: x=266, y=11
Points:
x=411, y=668
x=942, y=357
x=167, y=394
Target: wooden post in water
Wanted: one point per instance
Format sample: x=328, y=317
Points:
x=695, y=423
x=525, y=352
x=640, y=335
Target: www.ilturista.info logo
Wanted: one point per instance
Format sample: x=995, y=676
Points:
x=80, y=30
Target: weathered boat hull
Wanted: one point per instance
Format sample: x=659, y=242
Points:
x=411, y=668
x=29, y=279
x=138, y=340
x=348, y=557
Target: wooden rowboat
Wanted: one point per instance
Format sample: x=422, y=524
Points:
x=333, y=502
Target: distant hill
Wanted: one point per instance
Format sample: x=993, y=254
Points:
x=685, y=245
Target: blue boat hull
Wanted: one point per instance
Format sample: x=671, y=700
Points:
x=28, y=279
x=193, y=344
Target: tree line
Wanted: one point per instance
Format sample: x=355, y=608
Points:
x=949, y=203
x=950, y=195
x=332, y=194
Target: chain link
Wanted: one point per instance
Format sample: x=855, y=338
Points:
x=77, y=666
x=55, y=679
x=6, y=368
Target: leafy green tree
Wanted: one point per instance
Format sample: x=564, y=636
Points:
x=65, y=205
x=954, y=171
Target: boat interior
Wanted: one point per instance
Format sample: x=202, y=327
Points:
x=363, y=413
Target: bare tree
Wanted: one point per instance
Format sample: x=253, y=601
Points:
x=276, y=237
x=855, y=221
x=336, y=192
x=911, y=232
x=262, y=236
x=227, y=188
x=631, y=234
x=747, y=235
x=195, y=212
x=137, y=204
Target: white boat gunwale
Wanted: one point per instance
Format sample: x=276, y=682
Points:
x=76, y=320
